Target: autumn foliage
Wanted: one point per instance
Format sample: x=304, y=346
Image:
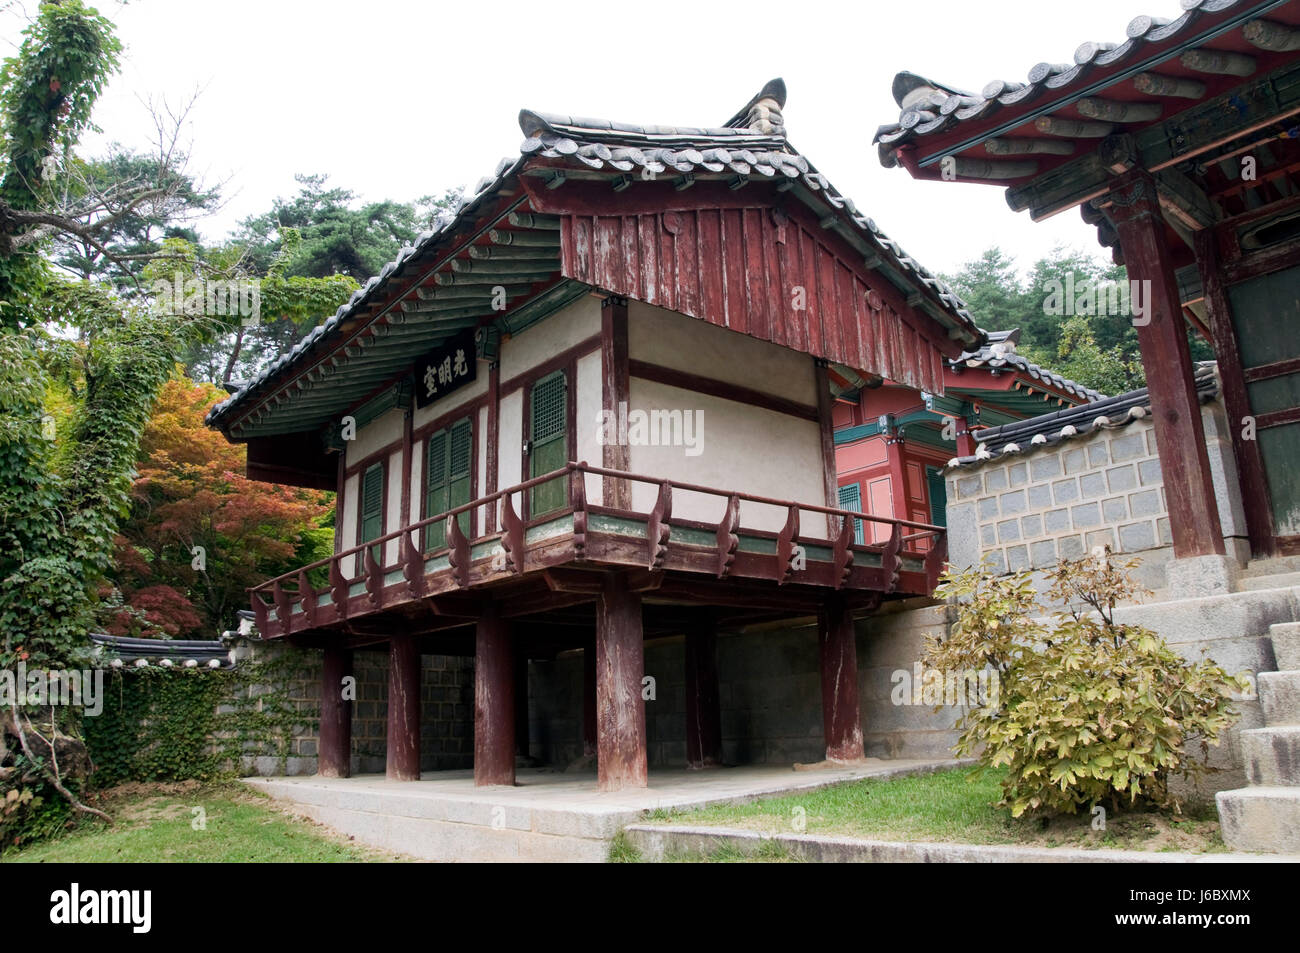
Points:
x=190, y=491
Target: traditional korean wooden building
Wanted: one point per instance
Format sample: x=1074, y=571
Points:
x=594, y=408
x=1180, y=144
x=892, y=442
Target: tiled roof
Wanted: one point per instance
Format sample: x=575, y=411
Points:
x=166, y=653
x=1111, y=413
x=752, y=144
x=999, y=350
x=928, y=108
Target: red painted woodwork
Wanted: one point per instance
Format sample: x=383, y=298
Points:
x=1227, y=352
x=703, y=701
x=826, y=425
x=615, y=391
x=1175, y=410
x=493, y=436
x=334, y=757
x=966, y=442
x=403, y=755
x=529, y=561
x=620, y=709
x=740, y=268
x=494, y=700
x=841, y=715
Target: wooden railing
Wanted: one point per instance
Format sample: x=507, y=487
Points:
x=926, y=542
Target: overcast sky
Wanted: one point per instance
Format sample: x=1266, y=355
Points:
x=400, y=99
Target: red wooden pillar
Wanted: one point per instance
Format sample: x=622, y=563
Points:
x=403, y=709
x=841, y=714
x=826, y=423
x=334, y=758
x=615, y=390
x=620, y=709
x=1162, y=336
x=494, y=701
x=589, y=698
x=1227, y=351
x=703, y=705
x=966, y=443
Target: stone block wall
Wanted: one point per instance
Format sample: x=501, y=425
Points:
x=1030, y=509
x=447, y=711
x=770, y=691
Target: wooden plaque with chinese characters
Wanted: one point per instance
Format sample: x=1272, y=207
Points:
x=446, y=368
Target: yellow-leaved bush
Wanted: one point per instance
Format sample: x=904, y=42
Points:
x=1087, y=710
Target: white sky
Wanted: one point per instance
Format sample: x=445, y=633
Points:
x=400, y=99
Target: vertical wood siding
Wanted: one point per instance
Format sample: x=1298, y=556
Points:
x=738, y=268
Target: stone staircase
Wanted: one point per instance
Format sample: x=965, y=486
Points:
x=1265, y=816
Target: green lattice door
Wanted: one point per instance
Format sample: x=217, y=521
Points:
x=372, y=507
x=447, y=482
x=548, y=444
x=851, y=500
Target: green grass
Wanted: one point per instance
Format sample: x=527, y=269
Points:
x=953, y=805
x=239, y=827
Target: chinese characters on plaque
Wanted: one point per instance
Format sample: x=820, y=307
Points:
x=444, y=369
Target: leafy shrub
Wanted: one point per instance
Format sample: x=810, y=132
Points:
x=1086, y=710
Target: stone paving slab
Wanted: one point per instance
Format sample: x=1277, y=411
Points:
x=656, y=841
x=547, y=815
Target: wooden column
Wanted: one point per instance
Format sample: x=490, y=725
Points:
x=589, y=698
x=966, y=443
x=408, y=469
x=1175, y=410
x=494, y=700
x=615, y=391
x=894, y=449
x=493, y=399
x=703, y=704
x=620, y=709
x=841, y=714
x=825, y=418
x=403, y=709
x=1236, y=402
x=334, y=758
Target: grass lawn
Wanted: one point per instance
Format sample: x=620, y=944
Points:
x=953, y=805
x=156, y=823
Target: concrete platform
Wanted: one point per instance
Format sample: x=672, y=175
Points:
x=547, y=816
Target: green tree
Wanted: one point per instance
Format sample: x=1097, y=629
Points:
x=335, y=236
x=47, y=92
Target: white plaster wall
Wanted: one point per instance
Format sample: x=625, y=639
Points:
x=476, y=388
x=569, y=326
x=393, y=511
x=347, y=530
x=586, y=441
x=511, y=440
x=374, y=436
x=689, y=344
x=742, y=448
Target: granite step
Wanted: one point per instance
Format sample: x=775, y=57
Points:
x=1272, y=755
x=1264, y=818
